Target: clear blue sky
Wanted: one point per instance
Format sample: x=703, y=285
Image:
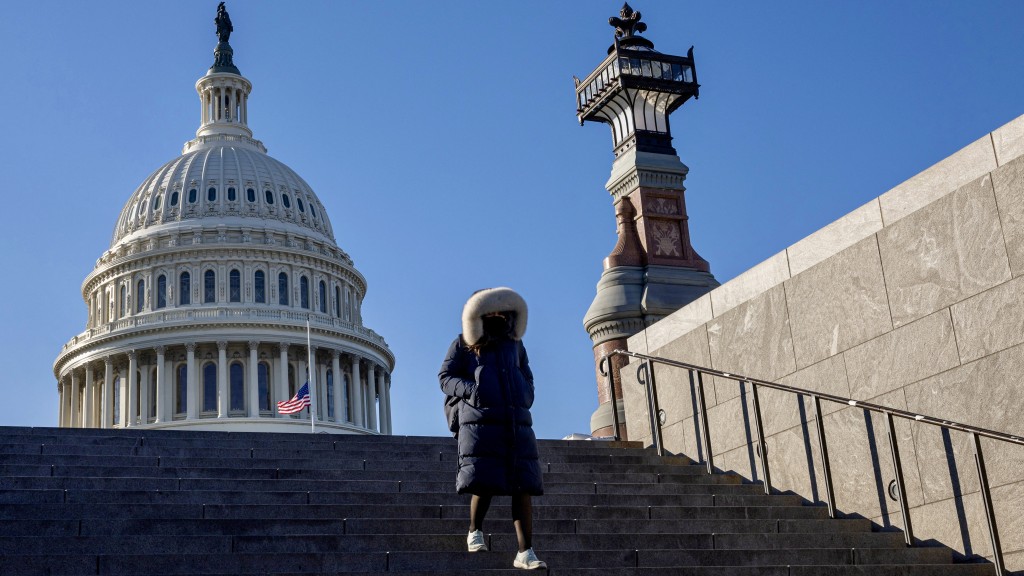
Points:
x=442, y=138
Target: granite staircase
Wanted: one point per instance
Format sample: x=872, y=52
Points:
x=131, y=502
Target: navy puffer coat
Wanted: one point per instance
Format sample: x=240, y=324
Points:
x=497, y=447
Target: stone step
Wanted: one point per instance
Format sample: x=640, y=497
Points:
x=173, y=483
x=282, y=526
x=293, y=442
x=447, y=498
x=315, y=544
x=306, y=563
x=240, y=473
x=328, y=511
x=647, y=465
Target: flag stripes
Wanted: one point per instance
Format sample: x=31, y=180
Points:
x=297, y=403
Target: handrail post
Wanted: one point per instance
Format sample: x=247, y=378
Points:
x=908, y=531
x=705, y=428
x=762, y=448
x=990, y=513
x=652, y=406
x=830, y=496
x=606, y=369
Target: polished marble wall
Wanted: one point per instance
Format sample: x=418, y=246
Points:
x=915, y=301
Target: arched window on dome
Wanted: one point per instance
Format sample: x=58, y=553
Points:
x=193, y=195
x=211, y=194
x=286, y=200
x=312, y=210
x=156, y=202
x=161, y=291
x=299, y=202
x=209, y=287
x=174, y=198
x=330, y=393
x=250, y=195
x=237, y=380
x=304, y=292
x=323, y=297
x=260, y=287
x=232, y=195
x=337, y=301
x=270, y=197
x=140, y=296
x=263, y=378
x=282, y=289
x=209, y=387
x=185, y=289
x=235, y=286
x=124, y=300
x=181, y=389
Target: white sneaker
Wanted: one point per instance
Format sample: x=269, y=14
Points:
x=528, y=560
x=475, y=541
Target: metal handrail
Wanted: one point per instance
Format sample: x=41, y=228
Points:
x=646, y=375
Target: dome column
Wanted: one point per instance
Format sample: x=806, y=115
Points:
x=107, y=412
x=144, y=386
x=122, y=395
x=65, y=403
x=76, y=415
x=60, y=404
x=357, y=393
x=254, y=379
x=282, y=379
x=190, y=381
x=133, y=389
x=222, y=379
x=161, y=386
x=385, y=404
x=338, y=387
x=90, y=397
x=372, y=396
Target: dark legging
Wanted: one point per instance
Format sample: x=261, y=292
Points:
x=522, y=517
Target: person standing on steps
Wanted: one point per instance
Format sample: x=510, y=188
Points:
x=486, y=368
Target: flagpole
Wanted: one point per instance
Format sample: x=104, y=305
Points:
x=312, y=378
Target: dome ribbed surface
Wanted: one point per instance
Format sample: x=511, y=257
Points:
x=245, y=183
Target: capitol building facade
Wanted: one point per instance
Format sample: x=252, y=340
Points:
x=198, y=312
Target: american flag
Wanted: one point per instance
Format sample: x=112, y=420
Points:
x=297, y=403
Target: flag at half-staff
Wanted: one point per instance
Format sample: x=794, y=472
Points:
x=297, y=403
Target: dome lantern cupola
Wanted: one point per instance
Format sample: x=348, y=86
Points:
x=223, y=94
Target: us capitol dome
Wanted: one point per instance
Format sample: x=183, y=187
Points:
x=197, y=314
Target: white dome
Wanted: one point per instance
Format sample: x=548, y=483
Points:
x=217, y=183
x=222, y=293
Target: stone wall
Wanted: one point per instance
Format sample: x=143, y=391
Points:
x=914, y=301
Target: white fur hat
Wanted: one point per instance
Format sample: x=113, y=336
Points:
x=488, y=301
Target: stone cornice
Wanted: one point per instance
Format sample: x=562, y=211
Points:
x=612, y=329
x=187, y=329
x=643, y=177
